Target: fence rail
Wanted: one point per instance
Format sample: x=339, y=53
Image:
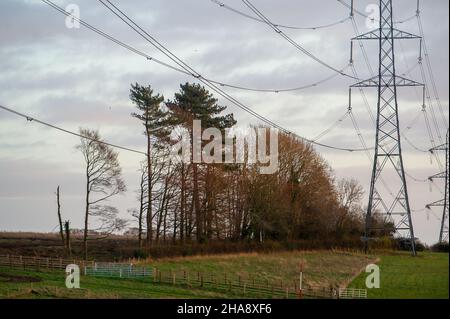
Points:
x=232, y=284
x=242, y=287
x=40, y=262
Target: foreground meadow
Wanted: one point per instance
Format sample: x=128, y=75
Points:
x=321, y=268
x=402, y=276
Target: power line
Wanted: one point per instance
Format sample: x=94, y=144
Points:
x=133, y=25
x=152, y=59
x=33, y=119
x=408, y=72
x=430, y=69
x=245, y=15
x=354, y=10
x=364, y=144
x=294, y=43
x=332, y=127
x=299, y=88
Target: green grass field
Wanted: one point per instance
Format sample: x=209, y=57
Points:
x=52, y=285
x=405, y=277
x=401, y=276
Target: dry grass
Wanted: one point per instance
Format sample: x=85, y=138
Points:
x=321, y=268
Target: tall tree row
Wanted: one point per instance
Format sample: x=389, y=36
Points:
x=197, y=201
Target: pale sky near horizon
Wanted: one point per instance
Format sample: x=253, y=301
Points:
x=75, y=78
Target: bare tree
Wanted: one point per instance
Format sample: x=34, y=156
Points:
x=350, y=194
x=61, y=231
x=103, y=181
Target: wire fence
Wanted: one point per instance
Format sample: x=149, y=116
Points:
x=121, y=270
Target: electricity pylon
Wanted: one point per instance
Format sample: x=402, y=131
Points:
x=388, y=152
x=443, y=234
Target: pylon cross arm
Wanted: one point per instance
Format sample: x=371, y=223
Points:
x=396, y=34
x=439, y=203
x=442, y=147
x=375, y=82
x=438, y=176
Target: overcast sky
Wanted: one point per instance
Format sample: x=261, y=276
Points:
x=73, y=77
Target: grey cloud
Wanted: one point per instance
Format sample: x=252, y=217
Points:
x=76, y=78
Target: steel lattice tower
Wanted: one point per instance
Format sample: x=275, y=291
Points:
x=443, y=234
x=388, y=152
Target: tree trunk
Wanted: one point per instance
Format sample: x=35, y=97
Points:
x=68, y=244
x=175, y=225
x=183, y=203
x=86, y=223
x=190, y=223
x=196, y=200
x=61, y=231
x=141, y=213
x=141, y=207
x=149, y=204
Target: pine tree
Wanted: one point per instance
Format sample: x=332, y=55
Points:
x=194, y=102
x=155, y=121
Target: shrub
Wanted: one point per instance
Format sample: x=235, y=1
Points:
x=440, y=247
